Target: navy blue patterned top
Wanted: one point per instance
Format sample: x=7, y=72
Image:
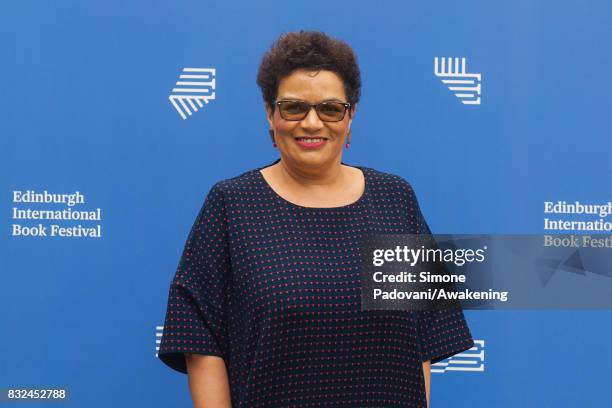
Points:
x=274, y=289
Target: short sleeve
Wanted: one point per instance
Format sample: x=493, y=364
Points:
x=414, y=217
x=441, y=333
x=196, y=314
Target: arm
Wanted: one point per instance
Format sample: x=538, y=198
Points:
x=208, y=383
x=427, y=375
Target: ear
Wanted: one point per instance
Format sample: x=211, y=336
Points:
x=352, y=111
x=270, y=116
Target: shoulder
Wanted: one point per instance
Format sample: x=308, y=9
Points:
x=236, y=189
x=243, y=181
x=225, y=194
x=389, y=183
x=393, y=187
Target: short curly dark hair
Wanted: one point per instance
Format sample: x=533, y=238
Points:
x=312, y=50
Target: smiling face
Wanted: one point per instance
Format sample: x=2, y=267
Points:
x=312, y=87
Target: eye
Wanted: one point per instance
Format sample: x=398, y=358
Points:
x=294, y=107
x=331, y=108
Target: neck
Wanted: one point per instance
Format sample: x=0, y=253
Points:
x=312, y=177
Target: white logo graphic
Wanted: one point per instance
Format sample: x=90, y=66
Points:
x=199, y=87
x=470, y=360
x=465, y=86
x=159, y=331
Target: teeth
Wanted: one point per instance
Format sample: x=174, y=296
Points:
x=310, y=140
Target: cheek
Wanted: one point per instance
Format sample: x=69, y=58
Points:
x=340, y=130
x=283, y=127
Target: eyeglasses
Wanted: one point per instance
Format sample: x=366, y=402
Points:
x=326, y=111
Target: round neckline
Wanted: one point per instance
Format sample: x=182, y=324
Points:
x=279, y=198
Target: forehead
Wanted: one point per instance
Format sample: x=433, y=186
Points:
x=311, y=86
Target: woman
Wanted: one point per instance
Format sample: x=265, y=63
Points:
x=264, y=309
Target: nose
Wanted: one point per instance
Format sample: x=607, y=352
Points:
x=311, y=123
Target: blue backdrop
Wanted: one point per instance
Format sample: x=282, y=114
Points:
x=84, y=91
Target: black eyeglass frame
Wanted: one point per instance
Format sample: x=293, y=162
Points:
x=347, y=107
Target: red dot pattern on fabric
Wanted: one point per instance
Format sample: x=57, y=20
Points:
x=274, y=289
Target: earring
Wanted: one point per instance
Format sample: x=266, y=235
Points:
x=271, y=133
x=348, y=139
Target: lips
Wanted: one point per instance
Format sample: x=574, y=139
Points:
x=310, y=142
x=310, y=139
x=307, y=138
